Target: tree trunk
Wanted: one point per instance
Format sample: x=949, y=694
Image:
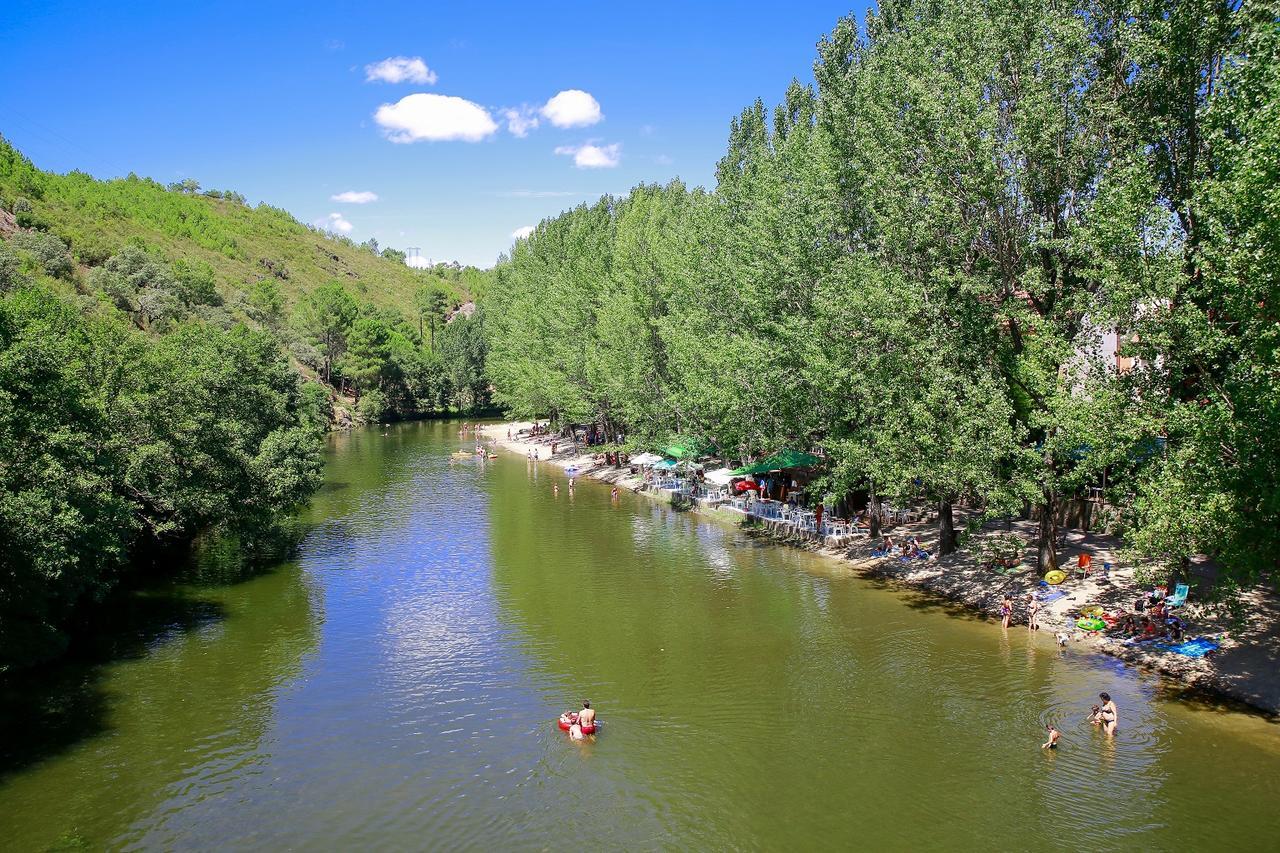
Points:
x=946, y=529
x=875, y=516
x=1048, y=533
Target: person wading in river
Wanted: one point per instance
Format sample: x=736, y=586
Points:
x=1108, y=713
x=586, y=718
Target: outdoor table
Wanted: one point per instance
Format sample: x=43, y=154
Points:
x=836, y=527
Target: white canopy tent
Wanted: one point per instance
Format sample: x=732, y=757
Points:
x=645, y=459
x=720, y=476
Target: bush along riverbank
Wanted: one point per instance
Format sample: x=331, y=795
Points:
x=118, y=443
x=1240, y=670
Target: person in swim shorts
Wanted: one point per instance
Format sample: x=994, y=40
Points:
x=1054, y=735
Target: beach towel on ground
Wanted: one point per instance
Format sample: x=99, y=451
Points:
x=1196, y=648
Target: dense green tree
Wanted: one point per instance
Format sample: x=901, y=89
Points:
x=325, y=315
x=65, y=526
x=463, y=351
x=114, y=442
x=432, y=304
x=923, y=269
x=265, y=304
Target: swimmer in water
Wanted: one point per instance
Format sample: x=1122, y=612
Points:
x=1054, y=734
x=613, y=494
x=555, y=489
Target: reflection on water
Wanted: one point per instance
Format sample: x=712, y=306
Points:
x=394, y=686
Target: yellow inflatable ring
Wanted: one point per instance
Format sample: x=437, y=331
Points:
x=1055, y=577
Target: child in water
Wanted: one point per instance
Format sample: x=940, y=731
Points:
x=1054, y=734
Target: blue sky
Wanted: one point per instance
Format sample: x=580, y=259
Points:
x=276, y=100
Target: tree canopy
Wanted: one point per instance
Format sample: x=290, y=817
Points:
x=1003, y=252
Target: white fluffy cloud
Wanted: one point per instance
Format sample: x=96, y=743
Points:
x=334, y=223
x=522, y=232
x=400, y=69
x=572, y=108
x=434, y=118
x=355, y=197
x=520, y=120
x=591, y=156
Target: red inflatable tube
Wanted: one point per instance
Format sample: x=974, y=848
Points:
x=567, y=720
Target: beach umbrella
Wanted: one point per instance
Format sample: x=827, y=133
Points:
x=720, y=476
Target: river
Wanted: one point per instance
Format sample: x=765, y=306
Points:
x=394, y=686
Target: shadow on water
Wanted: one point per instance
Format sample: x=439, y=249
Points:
x=50, y=709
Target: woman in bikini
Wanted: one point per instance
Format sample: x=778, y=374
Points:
x=1006, y=610
x=1108, y=714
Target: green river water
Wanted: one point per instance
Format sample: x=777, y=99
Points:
x=394, y=686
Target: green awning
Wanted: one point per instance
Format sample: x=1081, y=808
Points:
x=779, y=461
x=687, y=450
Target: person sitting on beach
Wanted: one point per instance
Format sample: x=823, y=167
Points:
x=1054, y=735
x=1129, y=627
x=1174, y=628
x=1147, y=631
x=886, y=547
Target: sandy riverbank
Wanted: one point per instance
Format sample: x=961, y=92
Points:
x=1245, y=669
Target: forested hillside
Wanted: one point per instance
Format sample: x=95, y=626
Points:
x=240, y=245
x=169, y=360
x=1004, y=253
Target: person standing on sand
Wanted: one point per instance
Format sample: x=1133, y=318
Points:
x=1006, y=610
